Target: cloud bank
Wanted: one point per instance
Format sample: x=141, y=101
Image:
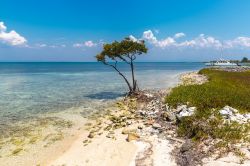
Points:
x=199, y=42
x=11, y=38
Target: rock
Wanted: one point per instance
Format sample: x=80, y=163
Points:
x=91, y=135
x=85, y=141
x=109, y=136
x=185, y=112
x=123, y=124
x=149, y=95
x=156, y=125
x=142, y=112
x=149, y=122
x=240, y=117
x=129, y=122
x=167, y=108
x=247, y=116
x=186, y=146
x=132, y=136
x=109, y=122
x=233, y=115
x=181, y=108
x=233, y=118
x=140, y=127
x=231, y=109
x=111, y=132
x=169, y=116
x=127, y=131
x=224, y=112
x=191, y=109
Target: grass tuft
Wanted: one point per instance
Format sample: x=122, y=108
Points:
x=223, y=88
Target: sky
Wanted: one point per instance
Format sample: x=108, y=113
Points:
x=74, y=31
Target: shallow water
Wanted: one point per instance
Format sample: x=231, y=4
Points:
x=29, y=89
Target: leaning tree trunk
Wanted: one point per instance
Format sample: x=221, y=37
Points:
x=125, y=79
x=133, y=76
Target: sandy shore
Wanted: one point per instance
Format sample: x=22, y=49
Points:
x=101, y=151
x=115, y=137
x=106, y=149
x=52, y=139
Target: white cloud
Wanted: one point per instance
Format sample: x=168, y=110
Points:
x=179, y=35
x=77, y=45
x=12, y=38
x=149, y=36
x=41, y=45
x=89, y=43
x=134, y=39
x=238, y=42
x=169, y=41
x=2, y=27
x=85, y=44
x=202, y=41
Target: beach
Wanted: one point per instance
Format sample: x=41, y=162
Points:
x=151, y=139
x=129, y=131
x=51, y=119
x=124, y=83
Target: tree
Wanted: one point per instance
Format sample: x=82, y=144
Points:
x=124, y=51
x=244, y=60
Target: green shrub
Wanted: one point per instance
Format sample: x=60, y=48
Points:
x=223, y=88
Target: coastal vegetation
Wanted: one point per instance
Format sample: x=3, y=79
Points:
x=223, y=88
x=124, y=51
x=245, y=60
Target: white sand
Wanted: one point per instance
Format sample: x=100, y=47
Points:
x=102, y=151
x=162, y=153
x=38, y=153
x=229, y=160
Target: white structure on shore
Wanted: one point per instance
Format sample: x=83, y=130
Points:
x=221, y=62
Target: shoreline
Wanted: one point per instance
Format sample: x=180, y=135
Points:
x=128, y=132
x=115, y=149
x=39, y=152
x=151, y=140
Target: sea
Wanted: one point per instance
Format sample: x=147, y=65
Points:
x=32, y=88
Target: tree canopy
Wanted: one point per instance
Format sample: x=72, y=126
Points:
x=245, y=59
x=123, y=51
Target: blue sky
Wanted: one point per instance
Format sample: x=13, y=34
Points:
x=174, y=30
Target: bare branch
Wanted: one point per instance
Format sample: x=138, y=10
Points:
x=123, y=76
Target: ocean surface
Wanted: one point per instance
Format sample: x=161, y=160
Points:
x=29, y=89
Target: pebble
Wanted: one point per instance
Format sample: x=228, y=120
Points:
x=91, y=135
x=132, y=136
x=156, y=125
x=184, y=111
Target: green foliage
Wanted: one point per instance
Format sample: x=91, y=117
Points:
x=223, y=88
x=124, y=51
x=121, y=50
x=245, y=60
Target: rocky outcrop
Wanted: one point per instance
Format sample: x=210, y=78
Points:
x=232, y=114
x=184, y=110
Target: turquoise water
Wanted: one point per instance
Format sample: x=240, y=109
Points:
x=29, y=89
